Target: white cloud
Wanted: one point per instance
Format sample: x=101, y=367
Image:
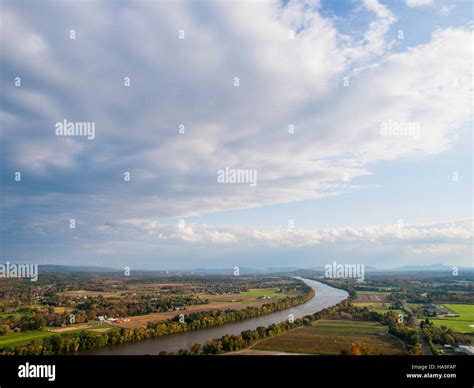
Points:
x=429, y=234
x=445, y=10
x=374, y=38
x=418, y=3
x=378, y=245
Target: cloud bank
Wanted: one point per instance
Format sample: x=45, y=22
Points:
x=270, y=87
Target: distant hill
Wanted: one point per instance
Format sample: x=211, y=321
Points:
x=75, y=269
x=243, y=270
x=197, y=271
x=409, y=268
x=425, y=268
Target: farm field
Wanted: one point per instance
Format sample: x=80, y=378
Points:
x=372, y=297
x=379, y=307
x=383, y=310
x=361, y=288
x=125, y=289
x=16, y=339
x=254, y=352
x=142, y=320
x=377, y=301
x=81, y=326
x=23, y=338
x=62, y=310
x=16, y=315
x=246, y=297
x=101, y=329
x=327, y=337
x=465, y=310
x=90, y=293
x=369, y=304
x=462, y=324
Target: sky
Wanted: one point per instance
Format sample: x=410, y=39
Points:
x=348, y=125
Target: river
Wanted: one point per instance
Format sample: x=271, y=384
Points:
x=326, y=296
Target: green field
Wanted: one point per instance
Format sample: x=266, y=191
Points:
x=102, y=329
x=380, y=289
x=251, y=296
x=462, y=324
x=368, y=304
x=379, y=307
x=373, y=292
x=327, y=337
x=383, y=310
x=414, y=304
x=26, y=337
x=16, y=315
x=465, y=310
x=259, y=292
